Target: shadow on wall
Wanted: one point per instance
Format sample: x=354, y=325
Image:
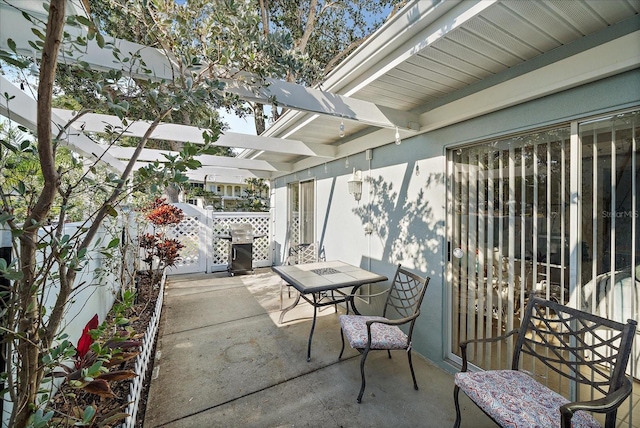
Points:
x=406, y=228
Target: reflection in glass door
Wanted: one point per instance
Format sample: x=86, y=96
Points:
x=307, y=212
x=610, y=271
x=509, y=229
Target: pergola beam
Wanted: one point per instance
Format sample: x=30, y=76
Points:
x=298, y=97
x=152, y=155
x=94, y=122
x=22, y=109
x=225, y=175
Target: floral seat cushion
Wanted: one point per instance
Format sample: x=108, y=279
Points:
x=382, y=336
x=514, y=399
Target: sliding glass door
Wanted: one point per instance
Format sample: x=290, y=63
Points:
x=508, y=232
x=610, y=216
x=510, y=227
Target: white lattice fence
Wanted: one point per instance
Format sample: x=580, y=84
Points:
x=294, y=231
x=142, y=362
x=221, y=223
x=188, y=233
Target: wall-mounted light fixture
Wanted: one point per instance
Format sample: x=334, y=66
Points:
x=355, y=184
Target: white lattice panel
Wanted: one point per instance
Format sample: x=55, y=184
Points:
x=188, y=233
x=294, y=232
x=204, y=250
x=221, y=223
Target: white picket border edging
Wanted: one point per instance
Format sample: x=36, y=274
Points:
x=136, y=387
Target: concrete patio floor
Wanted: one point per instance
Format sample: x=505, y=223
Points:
x=223, y=360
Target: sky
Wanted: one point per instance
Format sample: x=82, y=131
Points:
x=237, y=124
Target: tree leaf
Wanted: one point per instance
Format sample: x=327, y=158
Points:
x=100, y=40
x=84, y=20
x=99, y=387
x=38, y=33
x=114, y=418
x=118, y=375
x=8, y=58
x=88, y=414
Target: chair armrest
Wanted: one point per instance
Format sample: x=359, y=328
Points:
x=463, y=344
x=393, y=322
x=388, y=322
x=602, y=405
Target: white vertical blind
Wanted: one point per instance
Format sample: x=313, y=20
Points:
x=504, y=217
x=516, y=202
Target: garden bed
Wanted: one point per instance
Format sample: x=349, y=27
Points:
x=130, y=395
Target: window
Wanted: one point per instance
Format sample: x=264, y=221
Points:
x=301, y=216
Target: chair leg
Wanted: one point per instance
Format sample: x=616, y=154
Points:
x=413, y=375
x=342, y=349
x=362, y=360
x=456, y=390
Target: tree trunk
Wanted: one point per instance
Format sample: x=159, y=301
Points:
x=29, y=373
x=172, y=194
x=258, y=116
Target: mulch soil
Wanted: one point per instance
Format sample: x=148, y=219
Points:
x=140, y=316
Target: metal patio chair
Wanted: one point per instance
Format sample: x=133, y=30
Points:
x=402, y=307
x=557, y=343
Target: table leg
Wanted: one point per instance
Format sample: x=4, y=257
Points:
x=313, y=326
x=288, y=308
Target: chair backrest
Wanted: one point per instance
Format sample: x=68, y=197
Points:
x=580, y=346
x=303, y=253
x=405, y=295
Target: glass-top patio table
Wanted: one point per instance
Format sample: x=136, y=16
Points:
x=317, y=283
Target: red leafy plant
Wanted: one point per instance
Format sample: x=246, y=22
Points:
x=92, y=371
x=158, y=247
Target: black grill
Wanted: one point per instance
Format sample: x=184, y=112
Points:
x=241, y=248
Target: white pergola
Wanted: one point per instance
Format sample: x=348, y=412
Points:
x=292, y=96
x=433, y=64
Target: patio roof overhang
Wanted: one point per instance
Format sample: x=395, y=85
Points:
x=432, y=64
